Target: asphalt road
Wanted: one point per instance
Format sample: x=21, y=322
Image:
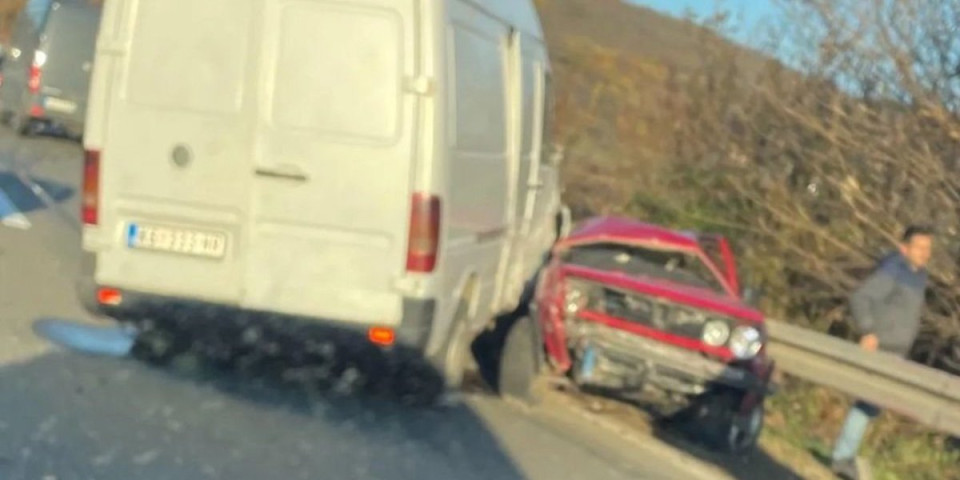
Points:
x=67, y=416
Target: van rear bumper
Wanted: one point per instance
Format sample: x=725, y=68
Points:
x=136, y=307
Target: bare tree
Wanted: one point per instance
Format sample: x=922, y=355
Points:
x=819, y=166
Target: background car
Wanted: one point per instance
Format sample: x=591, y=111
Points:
x=46, y=73
x=648, y=314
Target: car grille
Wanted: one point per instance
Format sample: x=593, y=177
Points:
x=643, y=310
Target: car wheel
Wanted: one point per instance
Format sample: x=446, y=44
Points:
x=17, y=123
x=26, y=126
x=744, y=430
x=725, y=428
x=34, y=127
x=520, y=378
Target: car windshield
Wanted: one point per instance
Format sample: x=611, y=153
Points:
x=675, y=266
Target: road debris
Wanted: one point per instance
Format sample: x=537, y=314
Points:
x=114, y=341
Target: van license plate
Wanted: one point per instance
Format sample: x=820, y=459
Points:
x=59, y=105
x=175, y=240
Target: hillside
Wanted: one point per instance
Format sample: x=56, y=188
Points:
x=615, y=64
x=633, y=30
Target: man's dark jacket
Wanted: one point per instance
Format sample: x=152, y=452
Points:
x=889, y=303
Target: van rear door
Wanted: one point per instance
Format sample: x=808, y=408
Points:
x=268, y=143
x=176, y=146
x=332, y=164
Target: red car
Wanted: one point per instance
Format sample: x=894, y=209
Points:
x=652, y=315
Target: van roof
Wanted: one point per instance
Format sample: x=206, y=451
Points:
x=522, y=14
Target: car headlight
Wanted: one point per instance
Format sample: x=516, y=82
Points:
x=575, y=297
x=716, y=333
x=745, y=342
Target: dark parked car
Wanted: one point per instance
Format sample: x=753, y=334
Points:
x=48, y=64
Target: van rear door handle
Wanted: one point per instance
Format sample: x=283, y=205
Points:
x=283, y=173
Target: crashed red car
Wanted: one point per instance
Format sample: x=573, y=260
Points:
x=648, y=314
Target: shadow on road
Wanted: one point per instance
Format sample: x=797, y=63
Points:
x=757, y=465
x=72, y=416
x=26, y=200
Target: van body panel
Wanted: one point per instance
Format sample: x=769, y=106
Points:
x=243, y=117
x=177, y=152
x=477, y=159
x=342, y=119
x=296, y=132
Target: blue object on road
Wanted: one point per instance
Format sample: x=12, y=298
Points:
x=114, y=341
x=10, y=215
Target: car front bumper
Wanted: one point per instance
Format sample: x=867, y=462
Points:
x=611, y=358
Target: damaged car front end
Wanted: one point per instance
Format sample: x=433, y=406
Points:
x=645, y=314
x=631, y=342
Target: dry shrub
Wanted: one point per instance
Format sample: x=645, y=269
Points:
x=606, y=105
x=818, y=172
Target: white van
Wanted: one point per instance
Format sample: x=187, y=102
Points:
x=378, y=165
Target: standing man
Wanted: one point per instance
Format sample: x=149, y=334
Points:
x=886, y=310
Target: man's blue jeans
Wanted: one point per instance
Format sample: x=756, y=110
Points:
x=854, y=428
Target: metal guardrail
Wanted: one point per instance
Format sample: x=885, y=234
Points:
x=926, y=395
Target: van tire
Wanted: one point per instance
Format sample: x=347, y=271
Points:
x=159, y=347
x=520, y=376
x=25, y=126
x=453, y=358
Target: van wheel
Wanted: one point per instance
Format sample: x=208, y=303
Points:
x=452, y=360
x=520, y=376
x=159, y=347
x=25, y=126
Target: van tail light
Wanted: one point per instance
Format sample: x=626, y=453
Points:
x=381, y=336
x=91, y=187
x=424, y=235
x=36, y=75
x=109, y=296
x=36, y=71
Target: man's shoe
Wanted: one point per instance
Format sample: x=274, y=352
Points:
x=846, y=469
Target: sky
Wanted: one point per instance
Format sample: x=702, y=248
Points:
x=747, y=14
